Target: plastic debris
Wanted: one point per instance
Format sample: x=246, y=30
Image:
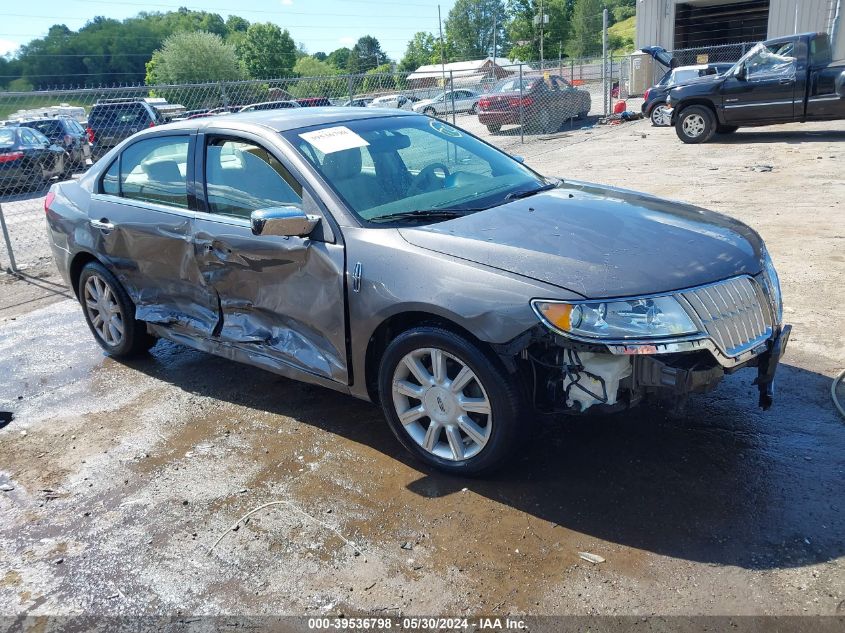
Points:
x=595, y=559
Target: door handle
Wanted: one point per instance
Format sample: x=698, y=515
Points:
x=102, y=224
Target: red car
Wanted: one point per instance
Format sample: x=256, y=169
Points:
x=546, y=102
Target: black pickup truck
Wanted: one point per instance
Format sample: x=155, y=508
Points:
x=782, y=80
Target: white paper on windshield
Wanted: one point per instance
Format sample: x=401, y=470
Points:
x=334, y=139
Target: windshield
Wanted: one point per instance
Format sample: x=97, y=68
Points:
x=7, y=137
x=384, y=166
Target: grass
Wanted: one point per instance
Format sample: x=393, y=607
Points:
x=621, y=36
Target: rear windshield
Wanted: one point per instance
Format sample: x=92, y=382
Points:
x=7, y=137
x=49, y=128
x=119, y=114
x=512, y=84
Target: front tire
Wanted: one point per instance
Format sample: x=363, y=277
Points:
x=430, y=112
x=474, y=109
x=494, y=129
x=110, y=313
x=695, y=124
x=449, y=404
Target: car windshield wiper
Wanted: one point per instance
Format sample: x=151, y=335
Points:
x=424, y=214
x=516, y=195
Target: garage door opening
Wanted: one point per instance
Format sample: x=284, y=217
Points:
x=706, y=24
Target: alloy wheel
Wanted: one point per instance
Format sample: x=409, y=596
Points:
x=694, y=125
x=103, y=310
x=442, y=404
x=660, y=116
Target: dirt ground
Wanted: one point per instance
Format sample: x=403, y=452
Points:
x=124, y=475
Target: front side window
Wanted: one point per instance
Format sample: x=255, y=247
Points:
x=773, y=60
x=242, y=177
x=390, y=165
x=155, y=170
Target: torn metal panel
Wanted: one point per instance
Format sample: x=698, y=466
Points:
x=281, y=296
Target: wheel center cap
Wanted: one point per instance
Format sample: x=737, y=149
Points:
x=439, y=404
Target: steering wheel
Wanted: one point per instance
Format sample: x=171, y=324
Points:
x=426, y=180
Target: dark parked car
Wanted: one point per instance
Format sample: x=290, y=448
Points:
x=399, y=259
x=654, y=99
x=114, y=120
x=65, y=132
x=314, y=102
x=782, y=80
x=28, y=159
x=543, y=105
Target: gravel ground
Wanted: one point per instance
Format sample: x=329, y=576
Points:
x=124, y=475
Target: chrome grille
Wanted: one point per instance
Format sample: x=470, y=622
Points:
x=733, y=313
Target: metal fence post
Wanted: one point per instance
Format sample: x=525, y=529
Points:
x=521, y=110
x=349, y=88
x=12, y=265
x=604, y=59
x=452, y=92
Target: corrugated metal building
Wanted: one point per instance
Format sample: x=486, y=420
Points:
x=680, y=24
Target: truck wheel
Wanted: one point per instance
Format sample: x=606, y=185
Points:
x=726, y=129
x=449, y=404
x=695, y=124
x=110, y=313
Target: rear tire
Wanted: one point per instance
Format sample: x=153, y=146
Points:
x=449, y=404
x=110, y=313
x=660, y=116
x=494, y=129
x=695, y=124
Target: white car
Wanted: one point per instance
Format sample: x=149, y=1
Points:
x=465, y=101
x=392, y=101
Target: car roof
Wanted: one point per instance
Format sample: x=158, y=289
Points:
x=285, y=119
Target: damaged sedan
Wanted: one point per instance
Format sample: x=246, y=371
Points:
x=401, y=260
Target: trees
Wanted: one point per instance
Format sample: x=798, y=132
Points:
x=525, y=36
x=267, y=51
x=339, y=58
x=365, y=55
x=193, y=57
x=379, y=78
x=420, y=52
x=586, y=28
x=469, y=28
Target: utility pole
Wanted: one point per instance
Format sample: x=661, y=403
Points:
x=542, y=24
x=494, y=42
x=442, y=48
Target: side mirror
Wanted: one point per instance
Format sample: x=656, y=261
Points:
x=741, y=73
x=519, y=159
x=283, y=221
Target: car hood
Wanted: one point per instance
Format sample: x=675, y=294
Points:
x=599, y=242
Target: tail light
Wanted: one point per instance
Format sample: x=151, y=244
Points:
x=48, y=201
x=10, y=156
x=645, y=94
x=68, y=139
x=484, y=103
x=516, y=102
x=152, y=124
x=90, y=133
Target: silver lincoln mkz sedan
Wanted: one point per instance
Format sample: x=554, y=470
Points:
x=399, y=259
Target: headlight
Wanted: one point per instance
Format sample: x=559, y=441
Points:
x=654, y=317
x=773, y=281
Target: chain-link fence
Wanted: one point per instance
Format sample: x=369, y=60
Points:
x=55, y=134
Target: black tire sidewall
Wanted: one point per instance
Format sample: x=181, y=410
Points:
x=709, y=124
x=501, y=390
x=135, y=338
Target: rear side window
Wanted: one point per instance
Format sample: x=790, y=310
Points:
x=50, y=128
x=155, y=170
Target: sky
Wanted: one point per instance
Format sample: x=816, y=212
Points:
x=321, y=25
